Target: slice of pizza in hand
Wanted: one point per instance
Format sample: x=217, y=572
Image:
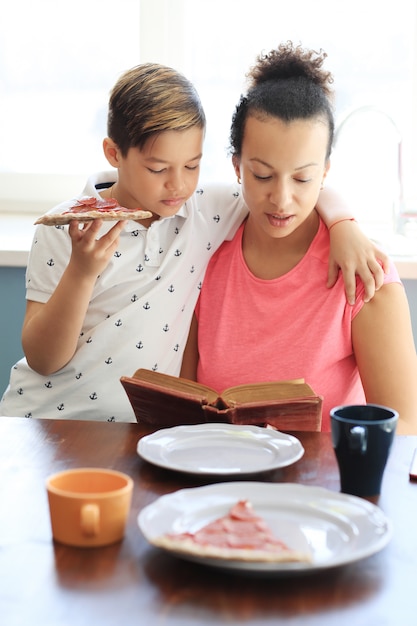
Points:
x=88, y=209
x=240, y=535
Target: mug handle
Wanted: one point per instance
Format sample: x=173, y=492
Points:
x=90, y=519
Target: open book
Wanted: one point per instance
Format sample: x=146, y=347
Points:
x=163, y=400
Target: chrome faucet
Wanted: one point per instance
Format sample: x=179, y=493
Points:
x=398, y=210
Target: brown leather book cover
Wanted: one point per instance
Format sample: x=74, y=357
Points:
x=162, y=400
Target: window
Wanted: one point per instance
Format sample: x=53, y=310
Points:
x=56, y=77
x=58, y=61
x=372, y=54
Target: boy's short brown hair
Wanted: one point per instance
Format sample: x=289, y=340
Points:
x=149, y=99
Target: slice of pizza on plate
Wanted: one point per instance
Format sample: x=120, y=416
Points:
x=88, y=208
x=240, y=535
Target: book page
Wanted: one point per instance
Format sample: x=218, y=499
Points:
x=261, y=392
x=174, y=383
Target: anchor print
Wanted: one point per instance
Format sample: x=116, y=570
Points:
x=155, y=367
x=108, y=361
x=20, y=391
x=51, y=263
x=48, y=385
x=89, y=340
x=158, y=277
x=165, y=328
x=117, y=254
x=176, y=347
x=171, y=288
x=118, y=322
x=134, y=298
x=208, y=246
x=200, y=191
x=146, y=258
x=93, y=396
x=177, y=230
x=28, y=415
x=216, y=218
x=199, y=285
x=78, y=376
x=135, y=233
x=177, y=252
x=139, y=268
x=146, y=306
x=192, y=270
x=111, y=419
x=60, y=407
x=139, y=345
x=236, y=194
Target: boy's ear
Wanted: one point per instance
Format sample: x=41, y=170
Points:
x=111, y=152
x=236, y=166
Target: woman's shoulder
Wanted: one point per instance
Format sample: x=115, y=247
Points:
x=392, y=276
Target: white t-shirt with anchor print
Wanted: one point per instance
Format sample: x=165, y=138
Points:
x=140, y=308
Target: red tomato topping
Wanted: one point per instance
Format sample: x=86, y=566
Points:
x=83, y=205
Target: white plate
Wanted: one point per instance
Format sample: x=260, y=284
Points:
x=336, y=528
x=223, y=449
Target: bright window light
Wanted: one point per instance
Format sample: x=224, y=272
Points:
x=59, y=60
x=372, y=54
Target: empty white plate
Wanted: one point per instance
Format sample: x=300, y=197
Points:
x=222, y=449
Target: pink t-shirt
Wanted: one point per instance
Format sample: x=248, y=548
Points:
x=255, y=330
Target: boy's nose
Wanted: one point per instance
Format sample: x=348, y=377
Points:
x=175, y=182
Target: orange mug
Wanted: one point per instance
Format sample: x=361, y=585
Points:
x=89, y=506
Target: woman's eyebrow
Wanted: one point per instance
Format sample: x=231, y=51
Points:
x=296, y=169
x=303, y=167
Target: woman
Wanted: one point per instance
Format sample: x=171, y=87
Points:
x=264, y=312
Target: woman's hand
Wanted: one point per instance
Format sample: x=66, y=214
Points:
x=355, y=255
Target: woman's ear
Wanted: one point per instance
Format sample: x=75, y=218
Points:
x=111, y=152
x=326, y=171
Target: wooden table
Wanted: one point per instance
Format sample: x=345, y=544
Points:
x=133, y=583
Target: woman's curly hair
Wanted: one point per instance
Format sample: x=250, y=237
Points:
x=289, y=61
x=288, y=83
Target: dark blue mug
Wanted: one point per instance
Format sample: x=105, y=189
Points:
x=362, y=436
